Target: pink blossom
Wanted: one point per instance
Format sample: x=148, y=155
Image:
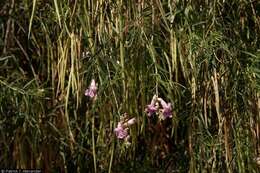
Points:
x=167, y=108
x=120, y=131
x=152, y=108
x=92, y=90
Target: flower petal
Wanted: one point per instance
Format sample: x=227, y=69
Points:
x=131, y=121
x=92, y=90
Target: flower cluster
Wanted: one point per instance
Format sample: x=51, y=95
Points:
x=121, y=131
x=92, y=90
x=159, y=106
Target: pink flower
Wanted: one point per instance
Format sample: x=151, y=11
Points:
x=167, y=108
x=120, y=131
x=92, y=90
x=152, y=108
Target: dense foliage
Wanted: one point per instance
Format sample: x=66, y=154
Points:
x=203, y=57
